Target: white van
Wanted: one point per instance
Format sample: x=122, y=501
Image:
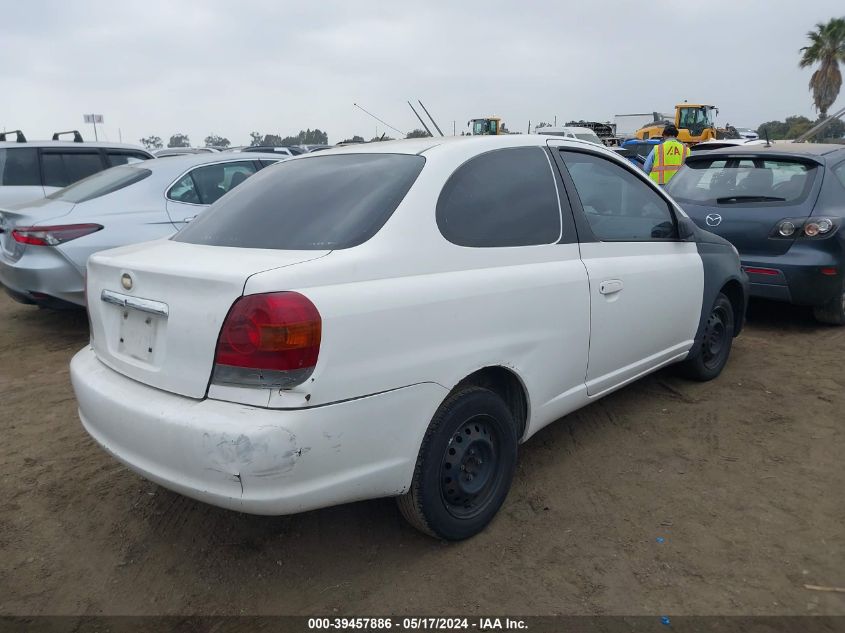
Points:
x=582, y=133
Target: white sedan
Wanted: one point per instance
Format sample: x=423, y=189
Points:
x=393, y=319
x=45, y=244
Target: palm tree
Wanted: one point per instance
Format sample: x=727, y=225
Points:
x=827, y=48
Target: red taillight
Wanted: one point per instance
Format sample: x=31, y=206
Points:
x=270, y=340
x=52, y=235
x=830, y=272
x=761, y=271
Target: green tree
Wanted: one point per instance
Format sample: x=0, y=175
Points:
x=827, y=49
x=834, y=130
x=307, y=137
x=418, y=133
x=255, y=139
x=179, y=140
x=796, y=126
x=272, y=140
x=212, y=140
x=773, y=130
x=354, y=139
x=152, y=142
x=383, y=137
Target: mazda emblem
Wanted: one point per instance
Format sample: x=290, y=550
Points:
x=126, y=281
x=713, y=219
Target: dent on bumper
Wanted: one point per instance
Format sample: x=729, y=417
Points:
x=251, y=459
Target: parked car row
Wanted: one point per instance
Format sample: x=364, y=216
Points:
x=394, y=319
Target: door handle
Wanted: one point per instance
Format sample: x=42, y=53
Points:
x=610, y=286
x=190, y=219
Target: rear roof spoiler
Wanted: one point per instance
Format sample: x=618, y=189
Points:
x=77, y=137
x=20, y=137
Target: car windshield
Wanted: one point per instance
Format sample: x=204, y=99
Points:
x=733, y=180
x=101, y=183
x=309, y=203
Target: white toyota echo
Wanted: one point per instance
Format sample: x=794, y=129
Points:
x=393, y=319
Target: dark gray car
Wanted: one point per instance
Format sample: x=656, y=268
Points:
x=782, y=206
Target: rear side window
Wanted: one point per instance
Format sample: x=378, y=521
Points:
x=100, y=184
x=19, y=167
x=506, y=197
x=839, y=170
x=730, y=180
x=311, y=203
x=61, y=169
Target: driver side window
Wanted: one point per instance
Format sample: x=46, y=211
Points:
x=618, y=205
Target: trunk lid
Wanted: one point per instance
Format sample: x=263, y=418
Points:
x=156, y=309
x=748, y=228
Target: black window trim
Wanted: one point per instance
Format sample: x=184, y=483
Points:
x=568, y=231
x=582, y=224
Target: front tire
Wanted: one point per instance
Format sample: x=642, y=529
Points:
x=715, y=346
x=465, y=466
x=832, y=312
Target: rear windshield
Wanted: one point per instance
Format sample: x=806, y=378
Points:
x=312, y=203
x=733, y=180
x=101, y=183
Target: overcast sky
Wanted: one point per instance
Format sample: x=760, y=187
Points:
x=230, y=67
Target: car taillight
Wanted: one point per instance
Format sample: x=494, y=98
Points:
x=268, y=340
x=52, y=235
x=811, y=227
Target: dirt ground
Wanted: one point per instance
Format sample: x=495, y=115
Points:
x=742, y=478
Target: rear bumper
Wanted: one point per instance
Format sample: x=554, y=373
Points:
x=796, y=277
x=42, y=276
x=251, y=459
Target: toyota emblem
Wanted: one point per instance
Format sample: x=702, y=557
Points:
x=713, y=219
x=126, y=281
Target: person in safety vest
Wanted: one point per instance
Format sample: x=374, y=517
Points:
x=666, y=159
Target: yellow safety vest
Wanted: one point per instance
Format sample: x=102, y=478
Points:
x=668, y=158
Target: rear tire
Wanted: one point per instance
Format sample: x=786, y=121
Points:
x=465, y=466
x=832, y=312
x=715, y=346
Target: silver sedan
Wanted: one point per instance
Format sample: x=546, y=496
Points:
x=44, y=245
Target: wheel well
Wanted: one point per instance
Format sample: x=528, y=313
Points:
x=733, y=291
x=507, y=385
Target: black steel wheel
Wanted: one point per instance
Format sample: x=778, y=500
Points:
x=465, y=466
x=709, y=359
x=717, y=338
x=469, y=472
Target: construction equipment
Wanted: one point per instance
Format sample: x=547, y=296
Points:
x=695, y=122
x=490, y=126
x=605, y=131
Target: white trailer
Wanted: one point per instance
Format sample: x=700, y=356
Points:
x=627, y=124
